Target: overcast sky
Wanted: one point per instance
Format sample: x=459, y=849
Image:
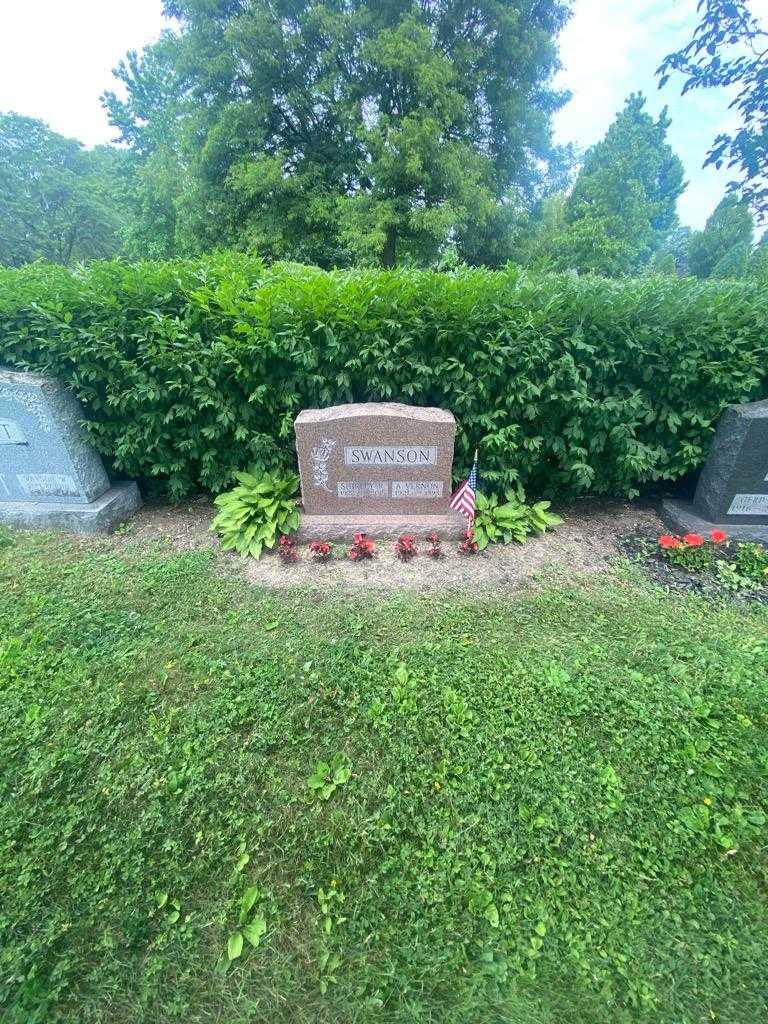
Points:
x=56, y=58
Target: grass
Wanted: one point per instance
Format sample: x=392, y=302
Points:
x=549, y=810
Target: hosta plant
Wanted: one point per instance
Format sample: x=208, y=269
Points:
x=253, y=515
x=499, y=522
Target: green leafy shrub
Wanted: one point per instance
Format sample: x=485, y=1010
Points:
x=751, y=560
x=501, y=522
x=256, y=512
x=747, y=569
x=187, y=370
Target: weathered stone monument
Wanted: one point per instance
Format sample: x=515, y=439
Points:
x=379, y=467
x=732, y=492
x=50, y=477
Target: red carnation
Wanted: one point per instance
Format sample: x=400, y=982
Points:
x=668, y=541
x=718, y=536
x=693, y=540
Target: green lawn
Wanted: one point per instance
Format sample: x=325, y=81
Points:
x=554, y=811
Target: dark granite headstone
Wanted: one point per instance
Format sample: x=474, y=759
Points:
x=732, y=493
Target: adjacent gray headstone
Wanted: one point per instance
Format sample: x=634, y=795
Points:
x=732, y=493
x=380, y=467
x=50, y=476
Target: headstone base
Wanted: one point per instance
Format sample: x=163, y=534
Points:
x=342, y=528
x=681, y=517
x=102, y=515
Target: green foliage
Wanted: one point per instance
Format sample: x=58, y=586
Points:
x=757, y=264
x=190, y=370
x=624, y=201
x=327, y=776
x=747, y=568
x=727, y=50
x=58, y=201
x=671, y=258
x=558, y=794
x=501, y=522
x=699, y=557
x=723, y=247
x=253, y=515
x=251, y=924
x=336, y=132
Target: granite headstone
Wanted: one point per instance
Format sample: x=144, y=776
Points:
x=732, y=492
x=380, y=467
x=50, y=476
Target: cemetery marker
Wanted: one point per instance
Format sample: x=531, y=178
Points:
x=50, y=476
x=380, y=467
x=732, y=492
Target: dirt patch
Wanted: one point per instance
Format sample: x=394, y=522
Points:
x=589, y=537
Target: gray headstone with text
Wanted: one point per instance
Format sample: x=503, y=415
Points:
x=732, y=491
x=50, y=476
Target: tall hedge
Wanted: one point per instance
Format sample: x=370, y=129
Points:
x=191, y=370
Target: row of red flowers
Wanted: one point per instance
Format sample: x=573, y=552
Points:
x=691, y=540
x=363, y=547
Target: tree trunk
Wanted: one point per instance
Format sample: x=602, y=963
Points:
x=390, y=247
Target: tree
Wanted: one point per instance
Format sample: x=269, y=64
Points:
x=757, y=264
x=58, y=201
x=624, y=201
x=729, y=49
x=339, y=130
x=149, y=120
x=672, y=254
x=723, y=247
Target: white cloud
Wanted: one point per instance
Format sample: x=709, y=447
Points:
x=610, y=49
x=56, y=58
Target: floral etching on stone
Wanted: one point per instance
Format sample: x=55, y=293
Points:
x=320, y=455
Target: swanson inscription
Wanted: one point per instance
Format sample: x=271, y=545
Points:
x=395, y=455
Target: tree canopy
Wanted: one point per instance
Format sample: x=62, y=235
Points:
x=723, y=248
x=729, y=49
x=623, y=204
x=346, y=130
x=58, y=201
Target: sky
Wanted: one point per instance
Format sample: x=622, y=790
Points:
x=611, y=48
x=56, y=58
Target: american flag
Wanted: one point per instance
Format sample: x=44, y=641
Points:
x=463, y=499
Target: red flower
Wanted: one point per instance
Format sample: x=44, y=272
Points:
x=668, y=541
x=718, y=536
x=362, y=547
x=321, y=550
x=693, y=540
x=405, y=547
